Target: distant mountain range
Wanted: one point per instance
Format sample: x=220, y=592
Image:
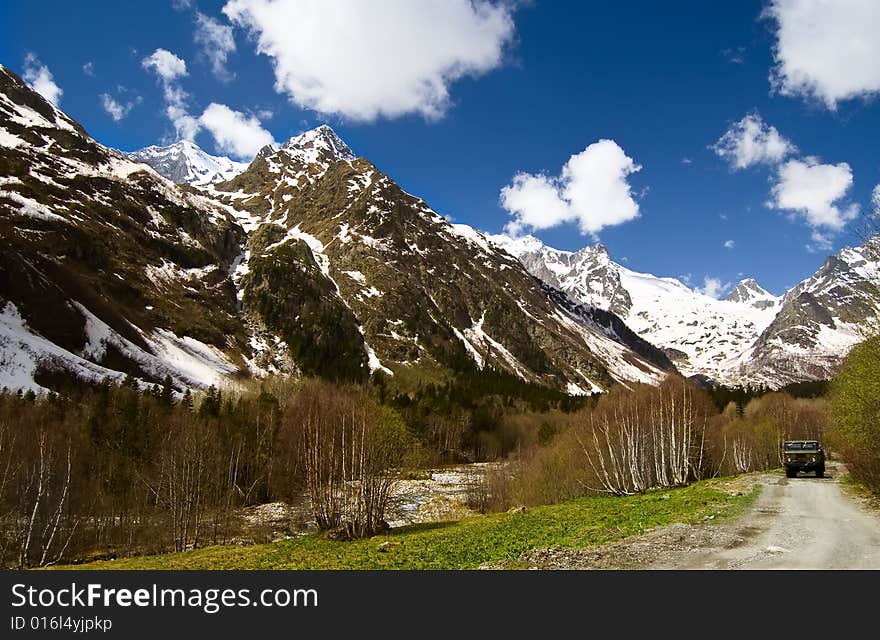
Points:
x=311, y=261
x=185, y=161
x=751, y=336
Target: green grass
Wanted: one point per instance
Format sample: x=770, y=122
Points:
x=468, y=543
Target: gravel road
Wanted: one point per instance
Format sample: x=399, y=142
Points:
x=798, y=523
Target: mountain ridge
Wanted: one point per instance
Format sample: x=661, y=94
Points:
x=186, y=162
x=309, y=262
x=750, y=337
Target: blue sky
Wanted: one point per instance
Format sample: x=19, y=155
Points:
x=483, y=92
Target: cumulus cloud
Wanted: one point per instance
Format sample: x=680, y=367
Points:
x=89, y=68
x=235, y=133
x=592, y=190
x=165, y=64
x=216, y=41
x=366, y=60
x=824, y=50
x=751, y=141
x=814, y=190
x=181, y=5
x=729, y=244
x=115, y=109
x=713, y=287
x=38, y=76
x=169, y=69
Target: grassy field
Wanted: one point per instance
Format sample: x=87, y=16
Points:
x=468, y=543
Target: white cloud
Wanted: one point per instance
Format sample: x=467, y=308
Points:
x=735, y=55
x=89, y=68
x=115, y=109
x=166, y=65
x=170, y=68
x=235, y=133
x=38, y=76
x=535, y=202
x=216, y=41
x=366, y=60
x=826, y=50
x=875, y=201
x=814, y=190
x=181, y=5
x=729, y=244
x=713, y=287
x=820, y=242
x=592, y=190
x=751, y=141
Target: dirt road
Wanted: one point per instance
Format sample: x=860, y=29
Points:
x=798, y=523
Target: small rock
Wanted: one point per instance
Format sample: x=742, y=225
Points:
x=385, y=547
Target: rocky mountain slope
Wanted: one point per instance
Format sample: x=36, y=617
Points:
x=749, y=292
x=820, y=319
x=700, y=334
x=311, y=261
x=374, y=278
x=751, y=336
x=107, y=268
x=185, y=161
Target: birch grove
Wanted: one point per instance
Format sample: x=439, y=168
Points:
x=650, y=437
x=351, y=447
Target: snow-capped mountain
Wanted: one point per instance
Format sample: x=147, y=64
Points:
x=821, y=319
x=185, y=161
x=108, y=268
x=310, y=262
x=404, y=287
x=700, y=334
x=749, y=292
x=318, y=146
x=751, y=336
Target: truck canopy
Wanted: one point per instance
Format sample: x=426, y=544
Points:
x=801, y=445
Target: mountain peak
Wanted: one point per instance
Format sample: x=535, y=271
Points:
x=517, y=246
x=185, y=161
x=597, y=251
x=319, y=144
x=265, y=152
x=748, y=291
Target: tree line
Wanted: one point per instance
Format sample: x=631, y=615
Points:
x=116, y=470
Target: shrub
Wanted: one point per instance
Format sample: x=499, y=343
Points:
x=855, y=407
x=351, y=448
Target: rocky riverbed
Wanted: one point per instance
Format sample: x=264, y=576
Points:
x=428, y=495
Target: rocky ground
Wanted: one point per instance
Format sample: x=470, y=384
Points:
x=432, y=495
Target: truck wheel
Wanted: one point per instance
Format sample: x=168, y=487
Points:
x=790, y=473
x=820, y=473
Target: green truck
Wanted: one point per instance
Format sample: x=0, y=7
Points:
x=803, y=455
